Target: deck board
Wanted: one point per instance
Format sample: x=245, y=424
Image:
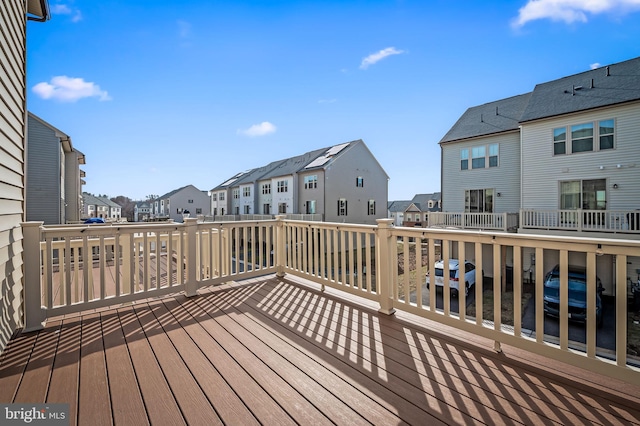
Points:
x=273, y=351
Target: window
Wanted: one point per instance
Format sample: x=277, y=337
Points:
x=605, y=129
x=493, y=155
x=236, y=193
x=266, y=188
x=221, y=197
x=190, y=201
x=580, y=137
x=246, y=191
x=478, y=201
x=198, y=211
x=342, y=207
x=464, y=159
x=477, y=157
x=559, y=141
x=247, y=209
x=213, y=197
x=266, y=208
x=371, y=207
x=310, y=207
x=282, y=208
x=430, y=204
x=585, y=194
x=237, y=210
x=311, y=182
x=360, y=182
x=283, y=186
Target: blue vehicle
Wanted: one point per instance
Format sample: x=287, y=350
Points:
x=577, y=277
x=94, y=220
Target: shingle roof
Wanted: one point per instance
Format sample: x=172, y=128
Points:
x=493, y=117
x=398, y=206
x=609, y=85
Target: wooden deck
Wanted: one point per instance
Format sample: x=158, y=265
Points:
x=269, y=351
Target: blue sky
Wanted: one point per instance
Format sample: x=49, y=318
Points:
x=163, y=94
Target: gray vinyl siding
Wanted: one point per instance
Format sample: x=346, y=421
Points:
x=504, y=179
x=340, y=182
x=316, y=194
x=43, y=190
x=543, y=171
x=180, y=200
x=12, y=146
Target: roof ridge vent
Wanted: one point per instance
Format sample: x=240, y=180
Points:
x=607, y=74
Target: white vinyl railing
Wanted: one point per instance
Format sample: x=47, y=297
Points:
x=76, y=268
x=614, y=221
x=485, y=221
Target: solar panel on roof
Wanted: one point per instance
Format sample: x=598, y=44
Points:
x=317, y=162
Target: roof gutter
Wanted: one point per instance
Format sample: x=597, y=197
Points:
x=38, y=10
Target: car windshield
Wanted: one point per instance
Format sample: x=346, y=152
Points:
x=440, y=273
x=577, y=289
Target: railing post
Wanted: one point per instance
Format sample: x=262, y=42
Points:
x=191, y=285
x=34, y=314
x=280, y=246
x=383, y=266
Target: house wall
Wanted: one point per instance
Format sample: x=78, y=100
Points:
x=543, y=171
x=247, y=201
x=311, y=194
x=73, y=188
x=264, y=198
x=180, y=200
x=504, y=179
x=282, y=197
x=44, y=174
x=340, y=182
x=12, y=159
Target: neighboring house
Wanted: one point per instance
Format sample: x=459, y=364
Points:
x=565, y=156
x=417, y=212
x=13, y=157
x=53, y=184
x=396, y=211
x=342, y=183
x=142, y=211
x=102, y=207
x=186, y=200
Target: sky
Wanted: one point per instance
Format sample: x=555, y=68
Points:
x=163, y=94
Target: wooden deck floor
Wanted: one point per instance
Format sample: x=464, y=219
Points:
x=269, y=351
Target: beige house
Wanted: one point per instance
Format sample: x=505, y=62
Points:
x=13, y=142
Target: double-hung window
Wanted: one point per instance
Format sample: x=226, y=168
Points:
x=371, y=207
x=478, y=157
x=266, y=188
x=584, y=137
x=246, y=191
x=342, y=207
x=311, y=182
x=464, y=159
x=283, y=186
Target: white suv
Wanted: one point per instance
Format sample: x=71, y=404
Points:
x=454, y=276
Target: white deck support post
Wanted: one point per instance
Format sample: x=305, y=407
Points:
x=383, y=266
x=280, y=246
x=191, y=285
x=34, y=314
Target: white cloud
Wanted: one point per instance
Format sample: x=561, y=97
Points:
x=261, y=129
x=68, y=89
x=570, y=11
x=63, y=9
x=378, y=56
x=594, y=66
x=184, y=29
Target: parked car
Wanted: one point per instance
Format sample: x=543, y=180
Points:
x=94, y=220
x=577, y=294
x=454, y=276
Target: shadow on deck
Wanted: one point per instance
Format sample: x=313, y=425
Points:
x=278, y=351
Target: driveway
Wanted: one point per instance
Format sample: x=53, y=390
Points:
x=605, y=335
